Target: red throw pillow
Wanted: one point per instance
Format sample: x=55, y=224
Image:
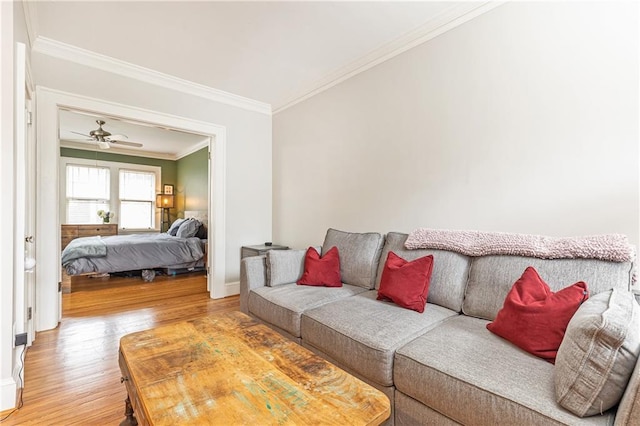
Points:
x=534, y=318
x=406, y=283
x=321, y=271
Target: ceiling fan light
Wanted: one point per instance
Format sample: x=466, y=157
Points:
x=104, y=145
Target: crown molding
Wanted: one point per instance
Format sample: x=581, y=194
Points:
x=31, y=21
x=135, y=153
x=57, y=49
x=192, y=149
x=122, y=151
x=446, y=20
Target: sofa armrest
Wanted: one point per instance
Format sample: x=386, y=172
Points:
x=253, y=274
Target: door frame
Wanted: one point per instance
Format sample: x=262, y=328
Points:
x=24, y=225
x=49, y=101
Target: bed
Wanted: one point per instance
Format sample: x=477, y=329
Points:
x=136, y=252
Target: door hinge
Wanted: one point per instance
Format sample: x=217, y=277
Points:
x=59, y=286
x=29, y=313
x=29, y=118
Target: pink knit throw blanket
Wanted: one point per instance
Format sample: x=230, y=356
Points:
x=612, y=247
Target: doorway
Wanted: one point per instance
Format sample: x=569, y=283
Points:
x=136, y=162
x=49, y=104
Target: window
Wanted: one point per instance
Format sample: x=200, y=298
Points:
x=126, y=189
x=137, y=197
x=88, y=190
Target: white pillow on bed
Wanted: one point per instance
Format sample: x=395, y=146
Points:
x=188, y=228
x=173, y=229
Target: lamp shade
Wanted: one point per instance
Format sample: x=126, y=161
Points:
x=164, y=201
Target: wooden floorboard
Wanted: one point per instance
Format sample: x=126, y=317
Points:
x=72, y=374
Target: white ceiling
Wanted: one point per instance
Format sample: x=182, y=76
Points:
x=157, y=142
x=272, y=52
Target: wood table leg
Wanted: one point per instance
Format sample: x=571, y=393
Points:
x=128, y=411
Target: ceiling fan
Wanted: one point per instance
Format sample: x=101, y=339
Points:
x=105, y=139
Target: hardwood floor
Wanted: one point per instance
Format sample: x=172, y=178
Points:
x=72, y=375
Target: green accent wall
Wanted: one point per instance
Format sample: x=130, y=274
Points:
x=168, y=173
x=188, y=175
x=192, y=173
x=168, y=166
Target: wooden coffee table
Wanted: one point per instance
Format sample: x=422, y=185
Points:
x=229, y=369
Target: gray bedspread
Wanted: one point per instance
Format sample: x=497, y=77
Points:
x=84, y=247
x=131, y=252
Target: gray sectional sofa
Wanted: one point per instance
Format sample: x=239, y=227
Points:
x=442, y=366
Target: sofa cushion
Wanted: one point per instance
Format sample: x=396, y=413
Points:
x=472, y=376
x=449, y=276
x=359, y=255
x=321, y=271
x=491, y=278
x=283, y=305
x=628, y=412
x=409, y=412
x=363, y=333
x=284, y=266
x=406, y=283
x=598, y=353
x=534, y=318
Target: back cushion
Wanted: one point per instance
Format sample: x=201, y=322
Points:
x=491, y=278
x=359, y=255
x=449, y=276
x=284, y=266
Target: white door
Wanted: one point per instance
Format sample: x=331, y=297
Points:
x=30, y=216
x=25, y=200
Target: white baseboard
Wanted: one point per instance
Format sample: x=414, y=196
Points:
x=232, y=288
x=8, y=391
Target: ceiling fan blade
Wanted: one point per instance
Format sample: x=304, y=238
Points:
x=81, y=134
x=135, y=144
x=118, y=136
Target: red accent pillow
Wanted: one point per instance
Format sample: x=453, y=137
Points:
x=534, y=318
x=406, y=283
x=321, y=271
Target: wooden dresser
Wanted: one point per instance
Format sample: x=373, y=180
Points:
x=70, y=232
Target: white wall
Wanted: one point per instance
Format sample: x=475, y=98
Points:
x=248, y=149
x=7, y=382
x=12, y=30
x=524, y=119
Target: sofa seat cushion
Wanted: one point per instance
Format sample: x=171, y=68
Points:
x=460, y=360
x=283, y=305
x=362, y=333
x=409, y=412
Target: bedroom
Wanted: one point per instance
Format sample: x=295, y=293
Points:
x=123, y=178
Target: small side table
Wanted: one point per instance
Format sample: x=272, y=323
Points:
x=259, y=250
